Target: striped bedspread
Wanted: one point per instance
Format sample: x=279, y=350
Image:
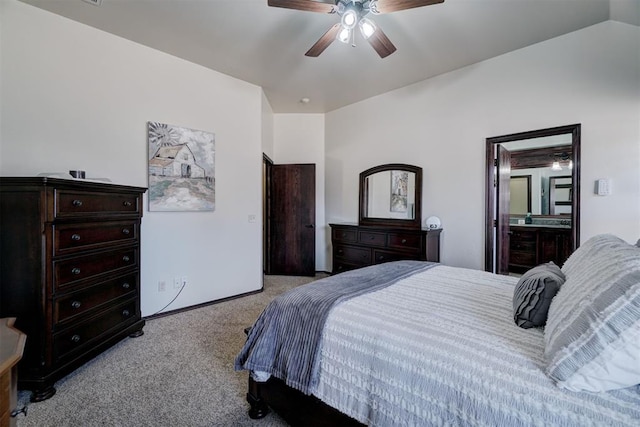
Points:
x=440, y=348
x=284, y=341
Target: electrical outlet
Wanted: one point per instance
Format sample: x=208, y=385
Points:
x=185, y=279
x=176, y=282
x=162, y=286
x=252, y=218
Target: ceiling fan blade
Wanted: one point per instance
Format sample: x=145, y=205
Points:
x=324, y=41
x=381, y=43
x=307, y=5
x=388, y=6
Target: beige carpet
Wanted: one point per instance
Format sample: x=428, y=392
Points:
x=179, y=373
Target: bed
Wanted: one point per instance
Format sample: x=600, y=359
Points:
x=417, y=343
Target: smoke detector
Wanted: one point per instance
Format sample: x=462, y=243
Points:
x=94, y=2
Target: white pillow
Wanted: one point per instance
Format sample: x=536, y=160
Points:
x=592, y=337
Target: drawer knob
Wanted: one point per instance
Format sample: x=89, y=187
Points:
x=126, y=203
x=126, y=258
x=404, y=241
x=126, y=231
x=126, y=313
x=340, y=251
x=76, y=304
x=125, y=285
x=77, y=203
x=75, y=270
x=371, y=238
x=75, y=338
x=344, y=234
x=381, y=257
x=75, y=237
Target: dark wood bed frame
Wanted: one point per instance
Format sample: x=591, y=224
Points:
x=297, y=408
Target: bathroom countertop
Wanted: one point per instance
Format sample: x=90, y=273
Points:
x=541, y=225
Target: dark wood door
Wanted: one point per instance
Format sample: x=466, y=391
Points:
x=503, y=196
x=293, y=220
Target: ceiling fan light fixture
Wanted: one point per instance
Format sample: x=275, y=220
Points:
x=349, y=19
x=344, y=35
x=367, y=27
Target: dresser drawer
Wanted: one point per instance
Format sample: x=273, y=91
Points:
x=520, y=234
x=353, y=254
x=371, y=238
x=404, y=241
x=80, y=335
x=380, y=256
x=344, y=235
x=70, y=203
x=68, y=238
x=523, y=244
x=522, y=258
x=69, y=271
x=341, y=267
x=69, y=306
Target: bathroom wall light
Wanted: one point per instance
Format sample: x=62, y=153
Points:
x=565, y=158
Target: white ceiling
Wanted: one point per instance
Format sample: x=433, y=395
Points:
x=266, y=45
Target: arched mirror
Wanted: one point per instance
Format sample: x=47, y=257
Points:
x=391, y=195
x=532, y=198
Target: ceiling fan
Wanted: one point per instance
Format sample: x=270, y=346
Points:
x=353, y=14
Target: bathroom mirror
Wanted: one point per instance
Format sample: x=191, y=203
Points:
x=391, y=195
x=541, y=181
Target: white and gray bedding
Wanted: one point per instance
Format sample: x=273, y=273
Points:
x=284, y=341
x=440, y=347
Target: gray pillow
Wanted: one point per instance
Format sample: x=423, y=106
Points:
x=592, y=336
x=533, y=294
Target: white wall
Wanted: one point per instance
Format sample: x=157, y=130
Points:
x=267, y=127
x=74, y=97
x=590, y=77
x=299, y=138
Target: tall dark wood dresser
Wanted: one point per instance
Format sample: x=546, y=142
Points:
x=69, y=271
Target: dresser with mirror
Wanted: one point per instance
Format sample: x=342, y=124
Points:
x=389, y=224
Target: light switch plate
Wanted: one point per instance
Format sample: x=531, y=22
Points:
x=603, y=187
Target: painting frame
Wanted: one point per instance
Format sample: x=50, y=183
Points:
x=399, y=191
x=181, y=168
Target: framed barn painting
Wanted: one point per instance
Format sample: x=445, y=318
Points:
x=181, y=168
x=399, y=185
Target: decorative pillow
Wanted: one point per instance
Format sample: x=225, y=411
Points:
x=582, y=256
x=533, y=294
x=592, y=337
